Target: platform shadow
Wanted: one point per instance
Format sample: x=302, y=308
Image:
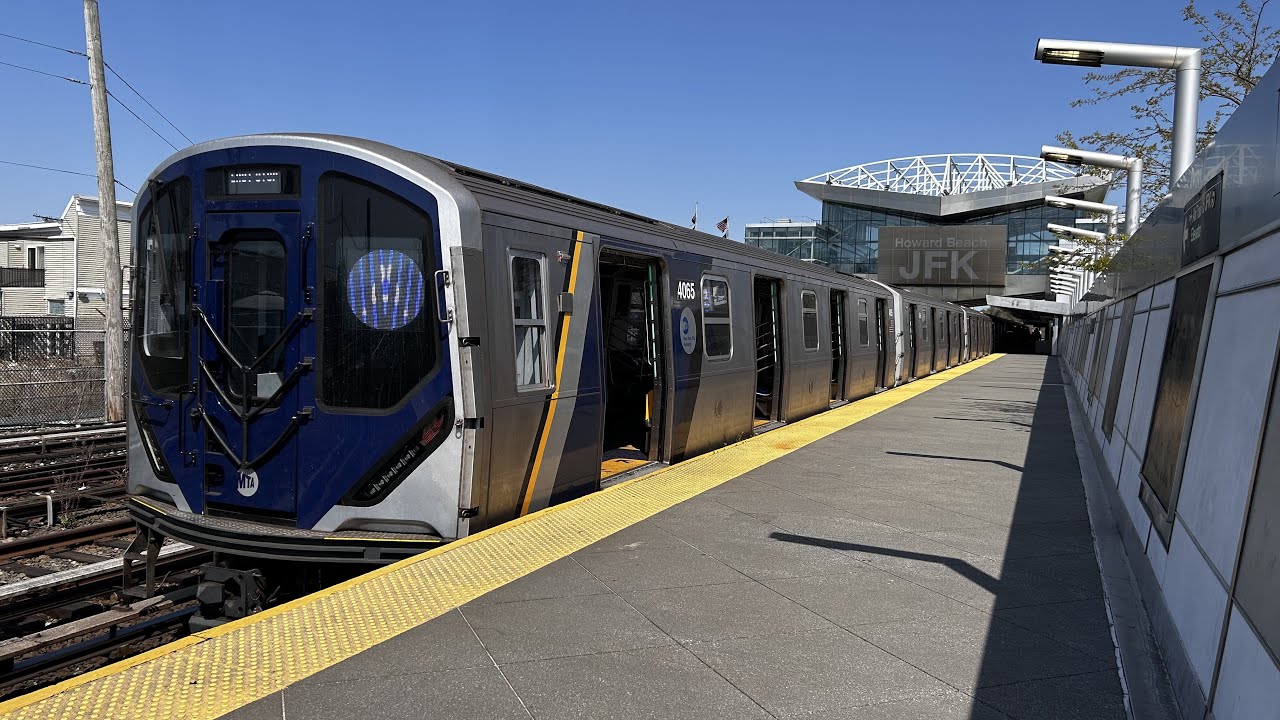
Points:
x=1001, y=463
x=972, y=573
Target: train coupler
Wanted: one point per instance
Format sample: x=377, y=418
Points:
x=227, y=594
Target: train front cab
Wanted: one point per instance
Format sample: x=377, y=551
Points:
x=290, y=371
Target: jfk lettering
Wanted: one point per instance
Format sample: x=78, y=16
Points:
x=939, y=264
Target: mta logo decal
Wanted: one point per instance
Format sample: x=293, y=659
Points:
x=247, y=483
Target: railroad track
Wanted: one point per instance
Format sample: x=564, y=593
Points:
x=41, y=460
x=50, y=542
x=54, y=625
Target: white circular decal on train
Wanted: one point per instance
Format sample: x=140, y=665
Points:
x=385, y=289
x=688, y=331
x=247, y=483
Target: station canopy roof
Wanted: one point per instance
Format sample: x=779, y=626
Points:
x=952, y=184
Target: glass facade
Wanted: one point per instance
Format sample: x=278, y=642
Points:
x=800, y=240
x=851, y=238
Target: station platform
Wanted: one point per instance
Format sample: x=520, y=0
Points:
x=923, y=553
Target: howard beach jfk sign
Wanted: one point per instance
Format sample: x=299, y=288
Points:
x=943, y=255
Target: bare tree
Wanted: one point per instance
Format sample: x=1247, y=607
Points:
x=1237, y=49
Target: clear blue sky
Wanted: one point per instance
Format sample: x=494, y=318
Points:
x=649, y=106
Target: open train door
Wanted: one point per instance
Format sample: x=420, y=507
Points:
x=882, y=344
x=634, y=370
x=767, y=300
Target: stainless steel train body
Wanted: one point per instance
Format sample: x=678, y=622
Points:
x=344, y=351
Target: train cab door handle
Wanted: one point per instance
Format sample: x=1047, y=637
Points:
x=443, y=314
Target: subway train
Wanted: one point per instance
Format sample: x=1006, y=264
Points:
x=346, y=352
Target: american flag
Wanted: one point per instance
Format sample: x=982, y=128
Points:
x=723, y=226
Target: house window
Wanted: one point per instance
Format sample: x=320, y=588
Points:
x=35, y=258
x=57, y=307
x=528, y=311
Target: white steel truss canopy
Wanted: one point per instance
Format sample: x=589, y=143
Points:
x=947, y=175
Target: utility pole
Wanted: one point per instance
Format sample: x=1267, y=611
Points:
x=113, y=339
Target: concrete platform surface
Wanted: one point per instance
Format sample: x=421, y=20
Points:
x=934, y=560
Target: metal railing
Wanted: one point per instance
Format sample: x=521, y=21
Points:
x=11, y=277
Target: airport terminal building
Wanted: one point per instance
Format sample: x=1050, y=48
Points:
x=958, y=226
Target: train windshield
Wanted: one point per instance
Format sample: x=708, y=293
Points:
x=165, y=252
x=380, y=335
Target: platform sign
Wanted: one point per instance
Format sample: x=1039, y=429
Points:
x=1202, y=221
x=943, y=255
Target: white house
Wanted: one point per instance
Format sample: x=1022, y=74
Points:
x=57, y=267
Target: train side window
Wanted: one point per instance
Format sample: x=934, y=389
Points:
x=809, y=306
x=864, y=328
x=528, y=310
x=717, y=330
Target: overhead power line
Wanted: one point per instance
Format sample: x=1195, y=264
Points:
x=113, y=72
x=60, y=170
x=144, y=122
x=41, y=72
x=36, y=42
x=120, y=102
x=148, y=102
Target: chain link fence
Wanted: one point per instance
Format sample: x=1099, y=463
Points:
x=51, y=370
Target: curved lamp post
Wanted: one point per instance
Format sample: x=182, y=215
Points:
x=1186, y=94
x=1133, y=193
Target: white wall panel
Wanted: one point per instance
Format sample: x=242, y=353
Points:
x=1148, y=377
x=1157, y=555
x=1124, y=406
x=1249, y=681
x=1196, y=600
x=1144, y=300
x=1228, y=422
x=1254, y=264
x=1128, y=489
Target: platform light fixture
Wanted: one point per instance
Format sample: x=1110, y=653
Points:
x=1075, y=231
x=1065, y=158
x=1111, y=211
x=1133, y=193
x=1063, y=56
x=1186, y=94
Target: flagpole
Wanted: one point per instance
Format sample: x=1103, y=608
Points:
x=695, y=215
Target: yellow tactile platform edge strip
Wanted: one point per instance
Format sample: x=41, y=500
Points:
x=211, y=673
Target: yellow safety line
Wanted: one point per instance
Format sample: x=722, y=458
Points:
x=211, y=673
x=555, y=393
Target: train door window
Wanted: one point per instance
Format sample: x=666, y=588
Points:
x=165, y=254
x=255, y=313
x=864, y=324
x=528, y=312
x=717, y=328
x=375, y=346
x=809, y=306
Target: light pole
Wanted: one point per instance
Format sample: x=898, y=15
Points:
x=1133, y=193
x=1186, y=93
x=1075, y=231
x=1111, y=211
x=1086, y=276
